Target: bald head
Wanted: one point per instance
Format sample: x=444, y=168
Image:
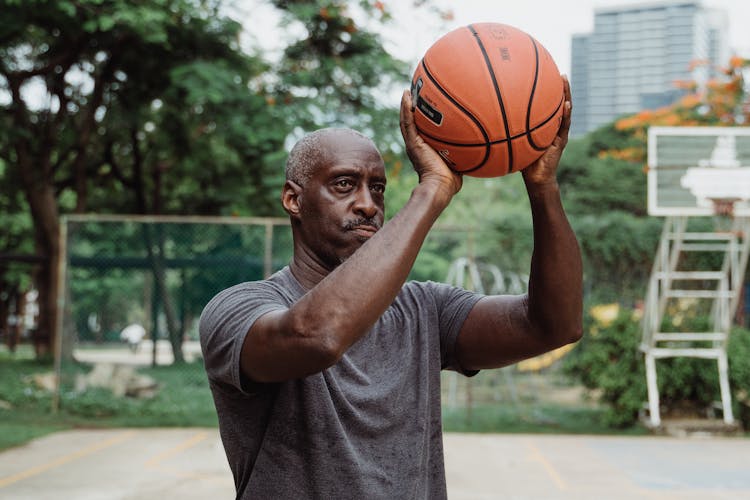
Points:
x=314, y=149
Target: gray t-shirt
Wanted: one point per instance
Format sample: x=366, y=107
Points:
x=367, y=427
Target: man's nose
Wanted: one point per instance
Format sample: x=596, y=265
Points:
x=364, y=203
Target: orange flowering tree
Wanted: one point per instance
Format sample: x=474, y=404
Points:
x=722, y=101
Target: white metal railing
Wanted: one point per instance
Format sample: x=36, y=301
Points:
x=720, y=287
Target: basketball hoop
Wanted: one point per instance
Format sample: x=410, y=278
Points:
x=724, y=206
x=699, y=171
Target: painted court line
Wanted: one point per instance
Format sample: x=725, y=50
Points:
x=197, y=438
x=548, y=467
x=14, y=478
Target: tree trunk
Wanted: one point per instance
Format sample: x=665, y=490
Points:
x=41, y=199
x=155, y=251
x=155, y=245
x=40, y=195
x=37, y=175
x=10, y=305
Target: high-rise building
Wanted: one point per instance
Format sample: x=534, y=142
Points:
x=637, y=52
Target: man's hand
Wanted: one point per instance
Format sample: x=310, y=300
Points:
x=503, y=329
x=428, y=164
x=543, y=171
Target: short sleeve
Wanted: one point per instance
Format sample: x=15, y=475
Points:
x=453, y=305
x=225, y=322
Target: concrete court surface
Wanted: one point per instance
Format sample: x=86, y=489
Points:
x=189, y=463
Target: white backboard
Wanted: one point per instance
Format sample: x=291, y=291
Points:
x=690, y=166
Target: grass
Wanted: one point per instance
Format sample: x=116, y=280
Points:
x=535, y=418
x=509, y=401
x=26, y=411
x=530, y=404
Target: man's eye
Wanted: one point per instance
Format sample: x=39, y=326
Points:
x=378, y=188
x=343, y=183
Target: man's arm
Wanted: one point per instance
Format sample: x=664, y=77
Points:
x=315, y=332
x=501, y=330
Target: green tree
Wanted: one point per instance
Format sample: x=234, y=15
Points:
x=338, y=73
x=152, y=107
x=113, y=104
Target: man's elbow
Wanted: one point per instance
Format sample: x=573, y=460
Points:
x=569, y=331
x=558, y=335
x=322, y=343
x=575, y=334
x=557, y=330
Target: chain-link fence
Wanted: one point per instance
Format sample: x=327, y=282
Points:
x=135, y=288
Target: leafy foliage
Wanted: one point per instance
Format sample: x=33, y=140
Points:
x=607, y=358
x=338, y=72
x=618, y=249
x=609, y=361
x=594, y=182
x=739, y=373
x=720, y=102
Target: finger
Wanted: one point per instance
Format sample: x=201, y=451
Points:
x=408, y=130
x=566, y=88
x=567, y=110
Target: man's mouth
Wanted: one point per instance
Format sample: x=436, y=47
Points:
x=365, y=231
x=363, y=228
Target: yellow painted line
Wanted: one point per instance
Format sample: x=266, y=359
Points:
x=548, y=467
x=14, y=478
x=154, y=461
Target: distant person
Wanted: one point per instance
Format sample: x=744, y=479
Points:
x=133, y=334
x=326, y=376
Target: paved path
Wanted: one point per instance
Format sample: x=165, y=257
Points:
x=187, y=464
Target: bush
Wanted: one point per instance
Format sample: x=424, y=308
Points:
x=609, y=361
x=739, y=373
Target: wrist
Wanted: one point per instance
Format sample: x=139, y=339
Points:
x=434, y=192
x=542, y=189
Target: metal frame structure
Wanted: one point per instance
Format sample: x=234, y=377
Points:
x=691, y=170
x=62, y=269
x=720, y=287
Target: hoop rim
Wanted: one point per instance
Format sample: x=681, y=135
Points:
x=724, y=206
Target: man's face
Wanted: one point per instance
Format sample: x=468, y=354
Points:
x=341, y=205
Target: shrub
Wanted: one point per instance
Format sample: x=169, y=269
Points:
x=609, y=361
x=739, y=373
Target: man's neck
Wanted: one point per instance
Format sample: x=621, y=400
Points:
x=308, y=271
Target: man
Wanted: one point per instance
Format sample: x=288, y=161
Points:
x=133, y=334
x=326, y=376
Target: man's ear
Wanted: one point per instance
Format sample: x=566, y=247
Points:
x=290, y=198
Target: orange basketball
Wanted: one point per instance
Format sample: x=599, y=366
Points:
x=489, y=99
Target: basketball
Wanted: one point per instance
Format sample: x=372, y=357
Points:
x=488, y=98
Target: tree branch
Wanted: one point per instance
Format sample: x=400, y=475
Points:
x=87, y=125
x=117, y=172
x=65, y=60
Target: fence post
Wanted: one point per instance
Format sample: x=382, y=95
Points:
x=58, y=332
x=268, y=250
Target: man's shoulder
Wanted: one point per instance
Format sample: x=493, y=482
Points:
x=426, y=287
x=440, y=295
x=281, y=284
x=420, y=293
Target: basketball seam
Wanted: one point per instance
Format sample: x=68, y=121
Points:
x=543, y=123
x=497, y=93
x=463, y=110
x=533, y=91
x=499, y=141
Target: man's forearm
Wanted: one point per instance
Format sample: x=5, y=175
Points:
x=556, y=281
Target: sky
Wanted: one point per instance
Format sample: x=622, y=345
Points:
x=551, y=22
